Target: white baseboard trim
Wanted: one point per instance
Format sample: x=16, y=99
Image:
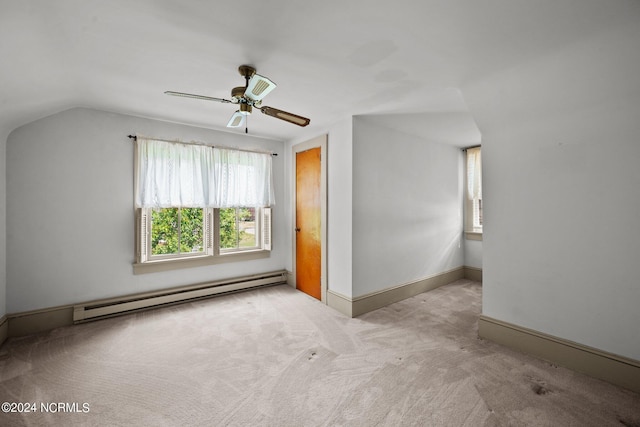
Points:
x=375, y=300
x=618, y=370
x=32, y=322
x=340, y=303
x=354, y=307
x=473, y=273
x=4, y=329
x=291, y=279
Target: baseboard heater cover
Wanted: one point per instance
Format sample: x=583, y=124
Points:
x=117, y=306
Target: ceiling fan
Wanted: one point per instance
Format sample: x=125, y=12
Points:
x=249, y=96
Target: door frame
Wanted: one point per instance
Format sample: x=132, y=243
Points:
x=320, y=141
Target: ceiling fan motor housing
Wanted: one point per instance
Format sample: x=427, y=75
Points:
x=237, y=94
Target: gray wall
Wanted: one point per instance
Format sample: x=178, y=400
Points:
x=407, y=208
x=70, y=217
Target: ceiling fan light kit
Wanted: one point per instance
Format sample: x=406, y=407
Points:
x=249, y=96
x=245, y=109
x=237, y=120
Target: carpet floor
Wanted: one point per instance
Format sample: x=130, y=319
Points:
x=276, y=357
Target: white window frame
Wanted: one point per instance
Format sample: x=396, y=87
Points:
x=471, y=231
x=146, y=263
x=259, y=237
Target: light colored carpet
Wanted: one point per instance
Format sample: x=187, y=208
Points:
x=276, y=357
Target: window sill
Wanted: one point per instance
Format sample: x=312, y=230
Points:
x=473, y=235
x=199, y=261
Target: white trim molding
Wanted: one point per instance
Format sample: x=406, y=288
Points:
x=291, y=279
x=618, y=370
x=473, y=235
x=354, y=307
x=340, y=302
x=473, y=273
x=34, y=321
x=198, y=261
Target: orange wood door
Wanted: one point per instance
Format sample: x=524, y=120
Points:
x=308, y=223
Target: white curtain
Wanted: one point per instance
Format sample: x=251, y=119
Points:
x=474, y=173
x=172, y=174
x=242, y=178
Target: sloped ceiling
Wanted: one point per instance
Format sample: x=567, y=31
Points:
x=404, y=63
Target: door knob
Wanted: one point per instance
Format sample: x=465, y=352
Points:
x=297, y=229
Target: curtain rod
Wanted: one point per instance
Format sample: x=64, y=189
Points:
x=135, y=137
x=474, y=146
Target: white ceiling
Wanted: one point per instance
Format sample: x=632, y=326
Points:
x=403, y=63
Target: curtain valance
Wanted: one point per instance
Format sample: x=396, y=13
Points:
x=173, y=174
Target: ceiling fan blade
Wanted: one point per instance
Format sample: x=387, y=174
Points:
x=258, y=87
x=288, y=117
x=205, y=98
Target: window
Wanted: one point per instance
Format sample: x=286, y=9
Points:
x=198, y=205
x=238, y=229
x=186, y=233
x=177, y=231
x=473, y=205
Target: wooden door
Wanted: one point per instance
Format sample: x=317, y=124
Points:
x=308, y=222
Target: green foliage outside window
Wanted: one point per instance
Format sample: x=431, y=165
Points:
x=180, y=230
x=176, y=230
x=237, y=228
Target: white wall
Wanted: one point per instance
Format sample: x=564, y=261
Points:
x=70, y=217
x=561, y=191
x=407, y=208
x=473, y=253
x=565, y=264
x=340, y=208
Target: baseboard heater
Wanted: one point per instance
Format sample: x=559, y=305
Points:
x=101, y=309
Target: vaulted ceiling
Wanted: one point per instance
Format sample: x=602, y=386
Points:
x=407, y=64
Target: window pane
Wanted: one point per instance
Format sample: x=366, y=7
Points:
x=228, y=228
x=247, y=227
x=238, y=229
x=164, y=231
x=191, y=230
x=177, y=231
x=474, y=212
